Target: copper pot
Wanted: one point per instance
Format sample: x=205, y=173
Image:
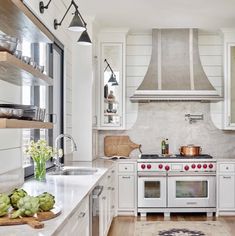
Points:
x=190, y=150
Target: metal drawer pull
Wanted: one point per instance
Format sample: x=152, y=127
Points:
x=191, y=203
x=81, y=215
x=125, y=168
x=126, y=177
x=113, y=171
x=227, y=177
x=109, y=188
x=109, y=176
x=113, y=189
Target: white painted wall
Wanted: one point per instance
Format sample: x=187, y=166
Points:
x=10, y=143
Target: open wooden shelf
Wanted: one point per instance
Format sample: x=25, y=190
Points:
x=18, y=21
x=15, y=71
x=18, y=124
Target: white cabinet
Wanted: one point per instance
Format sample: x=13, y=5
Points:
x=78, y=223
x=107, y=202
x=111, y=87
x=126, y=192
x=226, y=188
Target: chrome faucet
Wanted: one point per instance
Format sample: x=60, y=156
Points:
x=57, y=162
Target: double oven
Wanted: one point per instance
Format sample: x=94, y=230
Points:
x=176, y=187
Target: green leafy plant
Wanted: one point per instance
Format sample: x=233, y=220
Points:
x=40, y=153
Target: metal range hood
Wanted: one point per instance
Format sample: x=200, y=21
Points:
x=175, y=71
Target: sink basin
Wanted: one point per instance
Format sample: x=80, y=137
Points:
x=75, y=171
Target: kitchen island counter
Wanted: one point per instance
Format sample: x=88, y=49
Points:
x=69, y=191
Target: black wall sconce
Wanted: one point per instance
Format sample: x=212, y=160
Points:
x=77, y=24
x=112, y=78
x=42, y=6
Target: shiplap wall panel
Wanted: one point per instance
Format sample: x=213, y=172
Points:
x=213, y=50
x=138, y=56
x=212, y=60
x=139, y=50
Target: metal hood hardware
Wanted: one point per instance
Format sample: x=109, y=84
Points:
x=175, y=71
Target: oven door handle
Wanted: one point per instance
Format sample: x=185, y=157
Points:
x=151, y=174
x=171, y=174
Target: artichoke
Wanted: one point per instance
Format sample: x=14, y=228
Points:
x=16, y=195
x=46, y=201
x=4, y=204
x=27, y=206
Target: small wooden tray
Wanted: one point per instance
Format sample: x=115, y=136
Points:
x=34, y=222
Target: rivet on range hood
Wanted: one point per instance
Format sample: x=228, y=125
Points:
x=175, y=71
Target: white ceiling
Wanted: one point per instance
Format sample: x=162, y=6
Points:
x=147, y=14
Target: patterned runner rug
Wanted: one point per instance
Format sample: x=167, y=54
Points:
x=181, y=228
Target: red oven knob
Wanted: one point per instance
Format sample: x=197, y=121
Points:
x=199, y=166
x=167, y=168
x=211, y=166
x=193, y=166
x=160, y=166
x=205, y=166
x=186, y=168
x=149, y=166
x=143, y=166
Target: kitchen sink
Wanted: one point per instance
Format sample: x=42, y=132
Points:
x=75, y=171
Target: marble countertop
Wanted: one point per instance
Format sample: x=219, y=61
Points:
x=69, y=191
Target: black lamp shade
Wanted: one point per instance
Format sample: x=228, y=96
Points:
x=112, y=78
x=115, y=84
x=84, y=39
x=77, y=24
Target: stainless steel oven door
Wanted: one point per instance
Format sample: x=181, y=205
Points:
x=192, y=191
x=151, y=190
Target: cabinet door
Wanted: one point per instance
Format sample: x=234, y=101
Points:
x=226, y=191
x=103, y=211
x=126, y=191
x=112, y=86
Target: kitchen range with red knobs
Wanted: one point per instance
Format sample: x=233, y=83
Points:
x=176, y=184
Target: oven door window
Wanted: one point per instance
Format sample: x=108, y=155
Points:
x=152, y=189
x=191, y=189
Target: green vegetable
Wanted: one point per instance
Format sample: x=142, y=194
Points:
x=46, y=201
x=27, y=206
x=4, y=204
x=16, y=195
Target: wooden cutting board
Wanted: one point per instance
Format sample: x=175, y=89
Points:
x=34, y=222
x=119, y=146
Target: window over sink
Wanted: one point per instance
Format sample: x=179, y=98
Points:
x=49, y=97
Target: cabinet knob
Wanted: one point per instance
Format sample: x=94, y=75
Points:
x=113, y=171
x=109, y=176
x=109, y=188
x=226, y=177
x=113, y=189
x=112, y=206
x=103, y=198
x=126, y=177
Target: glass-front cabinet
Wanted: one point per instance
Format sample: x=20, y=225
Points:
x=111, y=69
x=111, y=114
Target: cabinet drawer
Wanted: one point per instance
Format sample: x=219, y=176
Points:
x=226, y=167
x=126, y=167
